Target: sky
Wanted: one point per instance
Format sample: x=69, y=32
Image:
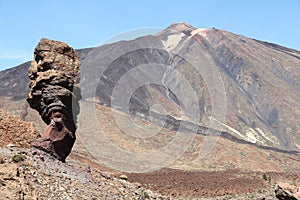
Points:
x=90, y=23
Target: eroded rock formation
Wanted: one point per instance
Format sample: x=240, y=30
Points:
x=55, y=94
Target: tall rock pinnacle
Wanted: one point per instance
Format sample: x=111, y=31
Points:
x=55, y=94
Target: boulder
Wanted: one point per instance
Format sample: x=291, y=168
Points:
x=283, y=194
x=55, y=94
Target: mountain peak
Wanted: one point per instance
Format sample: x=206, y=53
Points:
x=183, y=26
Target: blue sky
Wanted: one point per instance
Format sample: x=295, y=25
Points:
x=88, y=23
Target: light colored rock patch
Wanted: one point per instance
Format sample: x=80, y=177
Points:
x=273, y=139
x=172, y=41
x=252, y=136
x=200, y=31
x=229, y=128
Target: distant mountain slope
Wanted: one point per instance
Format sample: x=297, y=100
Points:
x=261, y=80
x=14, y=81
x=208, y=77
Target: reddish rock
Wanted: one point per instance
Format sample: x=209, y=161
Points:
x=55, y=94
x=14, y=132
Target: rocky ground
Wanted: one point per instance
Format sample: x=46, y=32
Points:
x=186, y=184
x=32, y=174
x=27, y=173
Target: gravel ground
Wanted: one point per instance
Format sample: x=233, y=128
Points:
x=32, y=174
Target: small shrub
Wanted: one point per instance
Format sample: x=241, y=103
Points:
x=18, y=158
x=265, y=177
x=146, y=195
x=2, y=160
x=259, y=191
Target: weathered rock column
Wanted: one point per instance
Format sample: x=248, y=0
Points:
x=55, y=94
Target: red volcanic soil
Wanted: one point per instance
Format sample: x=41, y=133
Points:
x=178, y=183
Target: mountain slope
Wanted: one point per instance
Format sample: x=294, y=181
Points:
x=15, y=81
x=195, y=80
x=265, y=84
x=260, y=81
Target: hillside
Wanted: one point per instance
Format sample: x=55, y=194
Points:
x=32, y=174
x=27, y=173
x=185, y=102
x=230, y=171
x=258, y=82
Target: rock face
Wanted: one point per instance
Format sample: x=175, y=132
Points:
x=55, y=94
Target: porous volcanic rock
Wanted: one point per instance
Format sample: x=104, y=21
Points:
x=15, y=132
x=54, y=93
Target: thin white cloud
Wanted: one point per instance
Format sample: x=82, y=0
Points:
x=10, y=58
x=15, y=55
